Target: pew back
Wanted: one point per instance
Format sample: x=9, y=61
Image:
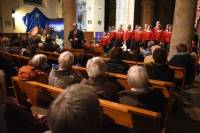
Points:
x=121, y=114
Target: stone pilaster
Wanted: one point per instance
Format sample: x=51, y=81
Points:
x=69, y=14
x=147, y=12
x=183, y=24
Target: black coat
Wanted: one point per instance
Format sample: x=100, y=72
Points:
x=76, y=44
x=151, y=99
x=185, y=61
x=161, y=72
x=117, y=66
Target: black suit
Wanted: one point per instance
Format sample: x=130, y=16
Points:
x=76, y=44
x=161, y=72
x=185, y=60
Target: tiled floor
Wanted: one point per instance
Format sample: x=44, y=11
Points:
x=187, y=120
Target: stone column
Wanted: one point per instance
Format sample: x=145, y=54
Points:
x=183, y=24
x=69, y=14
x=147, y=12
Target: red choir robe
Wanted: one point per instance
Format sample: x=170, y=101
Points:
x=105, y=41
x=138, y=35
x=112, y=35
x=128, y=35
x=166, y=37
x=120, y=35
x=158, y=35
x=147, y=35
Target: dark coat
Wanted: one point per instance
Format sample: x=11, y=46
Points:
x=184, y=60
x=149, y=98
x=117, y=66
x=76, y=44
x=106, y=88
x=160, y=72
x=19, y=119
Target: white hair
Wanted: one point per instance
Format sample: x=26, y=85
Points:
x=137, y=77
x=38, y=60
x=153, y=48
x=66, y=60
x=95, y=67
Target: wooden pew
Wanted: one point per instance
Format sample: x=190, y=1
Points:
x=123, y=115
x=179, y=71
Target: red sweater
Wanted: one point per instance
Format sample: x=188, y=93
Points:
x=166, y=37
x=138, y=35
x=112, y=35
x=158, y=35
x=120, y=35
x=128, y=34
x=147, y=36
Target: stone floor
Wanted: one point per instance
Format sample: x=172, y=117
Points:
x=187, y=119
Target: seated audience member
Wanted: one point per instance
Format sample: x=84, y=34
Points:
x=160, y=70
x=140, y=95
x=77, y=110
x=63, y=76
x=36, y=70
x=148, y=60
x=105, y=87
x=18, y=118
x=147, y=51
x=115, y=64
x=135, y=55
x=183, y=59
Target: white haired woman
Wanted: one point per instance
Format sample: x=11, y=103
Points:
x=62, y=75
x=36, y=70
x=140, y=95
x=105, y=88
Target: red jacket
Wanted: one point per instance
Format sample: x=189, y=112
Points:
x=120, y=35
x=147, y=35
x=105, y=41
x=166, y=37
x=138, y=35
x=128, y=34
x=158, y=35
x=112, y=35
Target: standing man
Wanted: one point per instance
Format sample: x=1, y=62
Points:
x=76, y=37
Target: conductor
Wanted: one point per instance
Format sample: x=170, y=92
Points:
x=76, y=37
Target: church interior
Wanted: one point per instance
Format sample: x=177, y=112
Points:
x=99, y=66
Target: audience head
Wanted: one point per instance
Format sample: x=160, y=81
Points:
x=115, y=53
x=160, y=56
x=150, y=44
x=38, y=61
x=2, y=84
x=76, y=110
x=95, y=67
x=181, y=48
x=74, y=26
x=66, y=60
x=153, y=48
x=137, y=77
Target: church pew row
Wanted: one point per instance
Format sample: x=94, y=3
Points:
x=179, y=71
x=123, y=115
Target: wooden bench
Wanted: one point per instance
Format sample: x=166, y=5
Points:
x=179, y=71
x=123, y=115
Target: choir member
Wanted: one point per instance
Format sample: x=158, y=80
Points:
x=157, y=36
x=105, y=41
x=119, y=35
x=147, y=35
x=137, y=36
x=128, y=37
x=166, y=37
x=112, y=37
